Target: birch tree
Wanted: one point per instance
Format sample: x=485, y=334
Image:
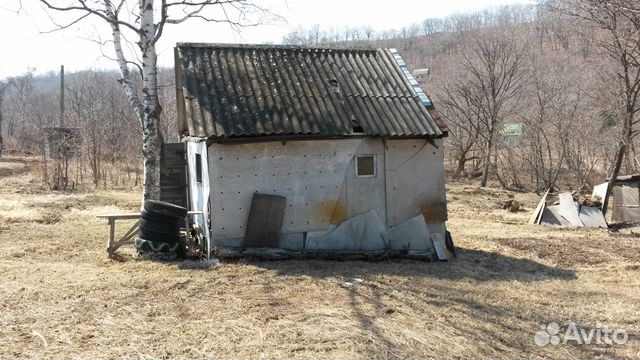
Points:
x=146, y=21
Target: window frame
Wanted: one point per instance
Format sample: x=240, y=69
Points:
x=375, y=165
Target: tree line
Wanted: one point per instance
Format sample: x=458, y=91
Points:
x=95, y=107
x=535, y=96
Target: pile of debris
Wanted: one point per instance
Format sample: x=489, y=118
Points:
x=511, y=205
x=566, y=211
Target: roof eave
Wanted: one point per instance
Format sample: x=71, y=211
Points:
x=311, y=137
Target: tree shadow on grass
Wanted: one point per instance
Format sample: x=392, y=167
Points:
x=470, y=264
x=405, y=288
x=394, y=289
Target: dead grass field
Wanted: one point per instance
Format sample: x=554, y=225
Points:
x=61, y=298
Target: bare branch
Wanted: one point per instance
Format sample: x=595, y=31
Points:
x=82, y=6
x=62, y=27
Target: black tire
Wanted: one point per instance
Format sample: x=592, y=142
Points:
x=151, y=216
x=168, y=227
x=159, y=237
x=165, y=208
x=147, y=246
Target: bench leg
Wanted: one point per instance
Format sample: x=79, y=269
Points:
x=112, y=233
x=133, y=231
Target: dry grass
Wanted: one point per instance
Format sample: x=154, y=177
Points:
x=60, y=297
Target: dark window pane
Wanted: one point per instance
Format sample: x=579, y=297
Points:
x=198, y=168
x=365, y=165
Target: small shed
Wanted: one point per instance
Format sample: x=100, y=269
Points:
x=310, y=148
x=624, y=204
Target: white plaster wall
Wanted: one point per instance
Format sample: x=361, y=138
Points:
x=318, y=179
x=367, y=193
x=415, y=182
x=310, y=174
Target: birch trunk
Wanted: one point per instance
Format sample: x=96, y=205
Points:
x=152, y=138
x=148, y=109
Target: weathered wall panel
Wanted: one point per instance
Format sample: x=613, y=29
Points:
x=310, y=174
x=625, y=202
x=367, y=193
x=415, y=181
x=318, y=178
x=630, y=194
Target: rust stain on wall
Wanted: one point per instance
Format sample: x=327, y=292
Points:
x=335, y=213
x=434, y=211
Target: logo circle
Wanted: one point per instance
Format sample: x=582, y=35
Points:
x=620, y=337
x=541, y=338
x=553, y=328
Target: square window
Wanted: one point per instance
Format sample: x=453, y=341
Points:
x=366, y=166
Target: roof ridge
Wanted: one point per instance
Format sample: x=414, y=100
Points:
x=278, y=47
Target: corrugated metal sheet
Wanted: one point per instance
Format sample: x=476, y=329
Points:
x=253, y=90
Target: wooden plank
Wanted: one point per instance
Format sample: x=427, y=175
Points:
x=537, y=213
x=173, y=174
x=265, y=220
x=112, y=231
x=119, y=216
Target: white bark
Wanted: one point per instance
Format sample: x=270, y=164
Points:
x=126, y=82
x=148, y=110
x=152, y=139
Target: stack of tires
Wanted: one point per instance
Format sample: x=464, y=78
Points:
x=159, y=235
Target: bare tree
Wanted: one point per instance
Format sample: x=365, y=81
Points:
x=431, y=26
x=614, y=26
x=369, y=32
x=3, y=87
x=86, y=104
x=463, y=116
x=495, y=64
x=147, y=22
x=24, y=86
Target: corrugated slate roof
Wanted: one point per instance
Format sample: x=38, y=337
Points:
x=251, y=90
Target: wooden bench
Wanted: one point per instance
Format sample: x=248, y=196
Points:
x=113, y=245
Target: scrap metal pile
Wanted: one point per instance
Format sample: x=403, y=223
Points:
x=566, y=211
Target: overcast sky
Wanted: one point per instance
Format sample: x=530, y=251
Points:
x=24, y=43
